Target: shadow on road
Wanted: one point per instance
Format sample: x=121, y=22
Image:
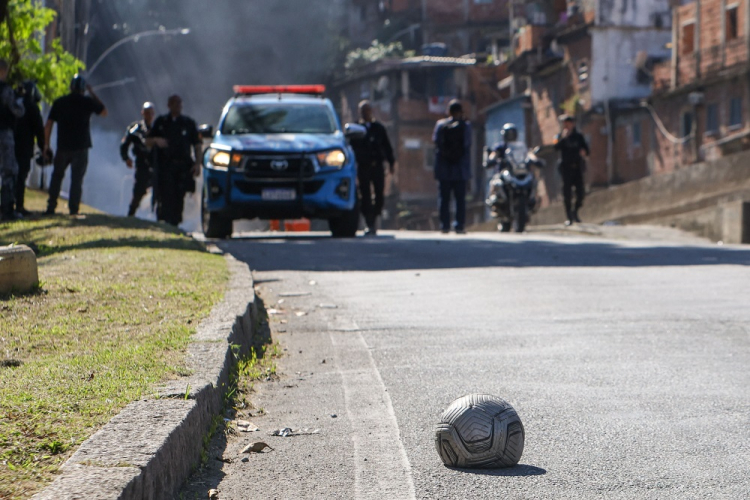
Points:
x=393, y=254
x=520, y=470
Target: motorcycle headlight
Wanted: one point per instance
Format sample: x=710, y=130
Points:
x=335, y=158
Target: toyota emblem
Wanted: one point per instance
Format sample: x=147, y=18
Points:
x=279, y=165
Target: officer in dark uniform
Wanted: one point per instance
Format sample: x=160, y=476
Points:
x=11, y=108
x=573, y=152
x=135, y=137
x=371, y=153
x=179, y=149
x=29, y=129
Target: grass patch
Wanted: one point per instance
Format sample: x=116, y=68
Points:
x=118, y=301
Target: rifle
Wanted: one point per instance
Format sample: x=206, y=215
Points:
x=155, y=186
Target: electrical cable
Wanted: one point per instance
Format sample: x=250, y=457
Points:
x=660, y=125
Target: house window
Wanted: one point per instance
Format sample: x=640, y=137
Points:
x=479, y=2
x=636, y=134
x=688, y=39
x=712, y=118
x=687, y=124
x=735, y=112
x=731, y=32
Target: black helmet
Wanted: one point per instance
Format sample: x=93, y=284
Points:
x=78, y=84
x=32, y=92
x=510, y=133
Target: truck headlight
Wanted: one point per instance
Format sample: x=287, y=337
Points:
x=219, y=159
x=335, y=158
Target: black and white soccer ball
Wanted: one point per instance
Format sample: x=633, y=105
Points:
x=480, y=431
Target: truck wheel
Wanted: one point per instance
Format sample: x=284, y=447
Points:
x=345, y=226
x=215, y=225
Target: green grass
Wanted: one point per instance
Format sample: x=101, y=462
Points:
x=118, y=301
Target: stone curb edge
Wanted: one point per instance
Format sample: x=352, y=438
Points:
x=151, y=447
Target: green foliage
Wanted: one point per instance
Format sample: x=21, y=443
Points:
x=52, y=70
x=377, y=51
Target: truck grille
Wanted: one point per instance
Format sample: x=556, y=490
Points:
x=272, y=166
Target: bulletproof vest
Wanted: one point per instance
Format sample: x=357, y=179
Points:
x=7, y=118
x=139, y=132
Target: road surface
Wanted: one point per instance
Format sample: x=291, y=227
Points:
x=628, y=362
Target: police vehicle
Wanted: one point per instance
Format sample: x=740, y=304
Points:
x=280, y=152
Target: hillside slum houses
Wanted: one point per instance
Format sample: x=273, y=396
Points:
x=654, y=85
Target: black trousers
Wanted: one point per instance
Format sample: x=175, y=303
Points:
x=371, y=182
x=172, y=189
x=572, y=177
x=24, y=167
x=143, y=180
x=79, y=162
x=458, y=190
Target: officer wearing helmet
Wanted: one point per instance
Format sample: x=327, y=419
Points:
x=135, y=138
x=72, y=113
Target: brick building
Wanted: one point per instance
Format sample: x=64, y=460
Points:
x=702, y=94
x=464, y=26
x=591, y=59
x=408, y=97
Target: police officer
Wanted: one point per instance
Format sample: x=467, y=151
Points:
x=178, y=160
x=573, y=152
x=371, y=153
x=452, y=138
x=72, y=113
x=135, y=138
x=11, y=108
x=29, y=130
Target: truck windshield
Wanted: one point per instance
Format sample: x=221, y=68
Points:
x=278, y=118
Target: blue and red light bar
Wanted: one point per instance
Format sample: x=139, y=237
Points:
x=279, y=89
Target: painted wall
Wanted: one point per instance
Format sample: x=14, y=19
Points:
x=634, y=13
x=614, y=52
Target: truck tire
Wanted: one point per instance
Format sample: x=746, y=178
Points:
x=214, y=224
x=346, y=225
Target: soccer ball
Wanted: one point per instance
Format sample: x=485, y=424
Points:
x=480, y=431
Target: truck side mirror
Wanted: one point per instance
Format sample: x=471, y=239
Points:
x=354, y=131
x=206, y=131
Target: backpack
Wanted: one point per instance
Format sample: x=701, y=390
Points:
x=453, y=147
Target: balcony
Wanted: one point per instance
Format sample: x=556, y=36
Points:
x=704, y=64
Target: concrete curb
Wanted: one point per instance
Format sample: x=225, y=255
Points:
x=152, y=446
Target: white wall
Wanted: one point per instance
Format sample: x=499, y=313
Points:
x=614, y=52
x=633, y=13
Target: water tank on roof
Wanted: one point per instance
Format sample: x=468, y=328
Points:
x=435, y=50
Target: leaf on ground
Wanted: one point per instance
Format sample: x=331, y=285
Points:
x=256, y=447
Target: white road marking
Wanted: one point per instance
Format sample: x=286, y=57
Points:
x=382, y=469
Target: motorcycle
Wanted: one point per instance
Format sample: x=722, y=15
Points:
x=512, y=190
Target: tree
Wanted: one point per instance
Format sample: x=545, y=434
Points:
x=22, y=26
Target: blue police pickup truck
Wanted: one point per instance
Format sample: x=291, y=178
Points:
x=280, y=152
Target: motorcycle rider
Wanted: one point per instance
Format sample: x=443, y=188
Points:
x=509, y=134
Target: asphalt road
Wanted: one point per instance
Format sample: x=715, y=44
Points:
x=628, y=362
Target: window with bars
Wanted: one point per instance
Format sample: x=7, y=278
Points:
x=731, y=31
x=735, y=112
x=637, y=134
x=712, y=118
